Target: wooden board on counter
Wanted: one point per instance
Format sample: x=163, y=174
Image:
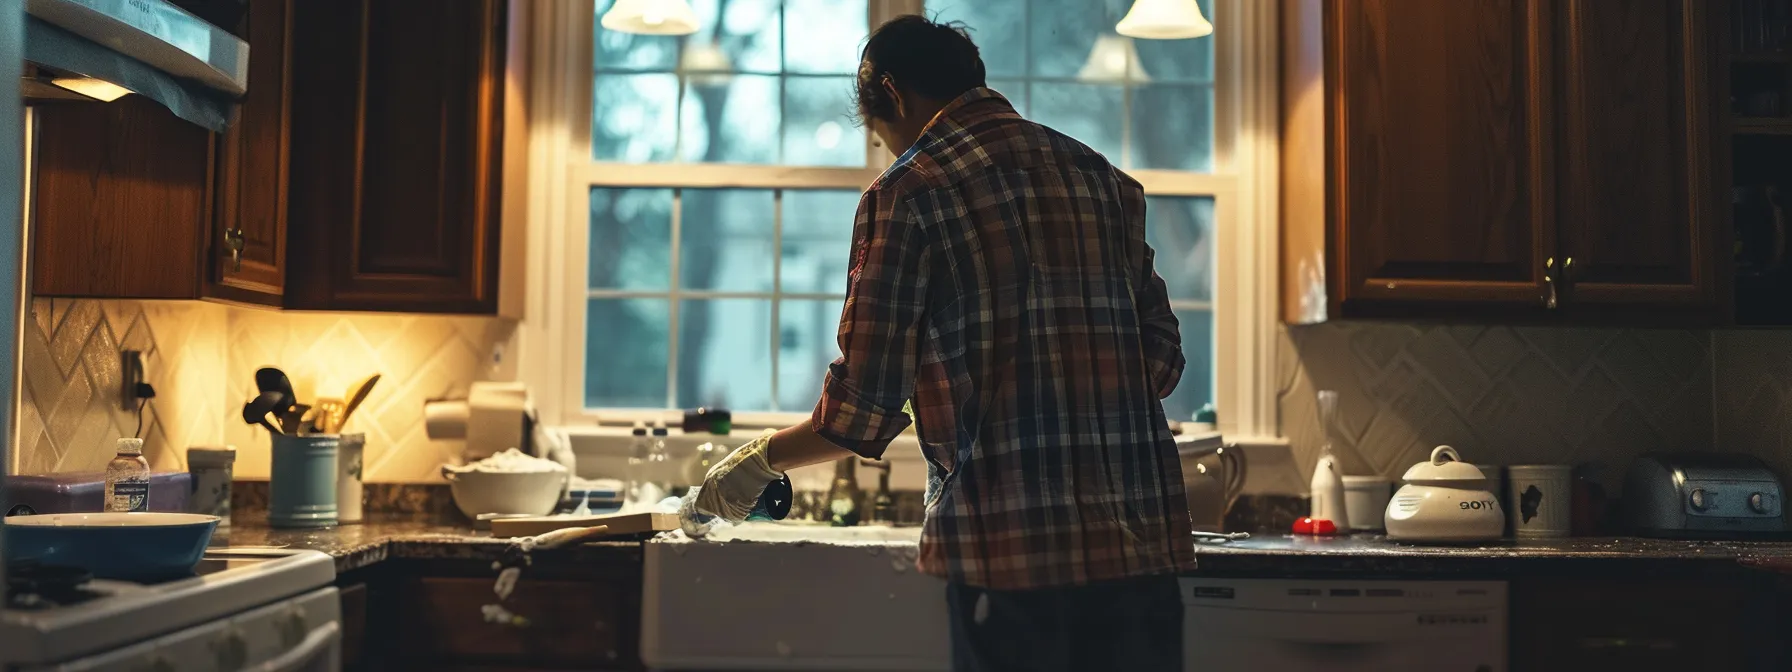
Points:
x=621, y=524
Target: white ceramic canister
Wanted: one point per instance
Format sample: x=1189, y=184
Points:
x=1366, y=500
x=348, y=477
x=212, y=469
x=1540, y=496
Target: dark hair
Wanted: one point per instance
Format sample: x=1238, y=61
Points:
x=934, y=59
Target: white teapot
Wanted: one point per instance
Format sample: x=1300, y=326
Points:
x=1444, y=500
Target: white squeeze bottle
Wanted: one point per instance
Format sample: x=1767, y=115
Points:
x=127, y=478
x=1327, y=488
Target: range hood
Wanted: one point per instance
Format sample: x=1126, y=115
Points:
x=101, y=49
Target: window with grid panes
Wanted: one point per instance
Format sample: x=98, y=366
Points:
x=706, y=296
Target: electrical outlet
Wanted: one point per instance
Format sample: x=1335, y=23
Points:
x=133, y=377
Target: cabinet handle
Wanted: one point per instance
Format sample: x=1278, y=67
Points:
x=233, y=241
x=1549, y=283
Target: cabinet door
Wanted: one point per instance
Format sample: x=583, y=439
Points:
x=1440, y=185
x=122, y=200
x=1638, y=197
x=397, y=123
x=248, y=242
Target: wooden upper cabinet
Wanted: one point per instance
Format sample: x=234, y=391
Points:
x=1639, y=204
x=121, y=201
x=1534, y=160
x=248, y=238
x=397, y=155
x=1421, y=130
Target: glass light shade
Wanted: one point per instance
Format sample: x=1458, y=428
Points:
x=651, y=17
x=1164, y=20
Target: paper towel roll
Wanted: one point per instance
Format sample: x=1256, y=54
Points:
x=445, y=419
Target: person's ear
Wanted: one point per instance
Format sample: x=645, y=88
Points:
x=895, y=97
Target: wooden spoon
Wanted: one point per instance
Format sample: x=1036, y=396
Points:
x=356, y=395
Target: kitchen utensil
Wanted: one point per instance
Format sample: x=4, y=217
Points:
x=292, y=419
x=1327, y=486
x=1213, y=475
x=1366, y=499
x=270, y=379
x=326, y=415
x=530, y=493
x=129, y=546
x=619, y=524
x=256, y=412
x=1444, y=500
x=302, y=481
x=1221, y=537
x=1702, y=496
x=85, y=492
x=1541, y=497
x=357, y=395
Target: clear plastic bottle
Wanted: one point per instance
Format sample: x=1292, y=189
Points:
x=658, y=477
x=637, y=466
x=127, y=478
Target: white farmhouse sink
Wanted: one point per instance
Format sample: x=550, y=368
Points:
x=793, y=597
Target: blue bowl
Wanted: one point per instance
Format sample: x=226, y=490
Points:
x=124, y=546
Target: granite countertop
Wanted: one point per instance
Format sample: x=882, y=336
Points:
x=378, y=538
x=1375, y=554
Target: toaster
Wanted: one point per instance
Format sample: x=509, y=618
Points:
x=1702, y=496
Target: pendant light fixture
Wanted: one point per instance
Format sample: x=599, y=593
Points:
x=651, y=17
x=1164, y=20
x=1114, y=59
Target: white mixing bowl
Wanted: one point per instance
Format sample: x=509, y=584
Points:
x=526, y=493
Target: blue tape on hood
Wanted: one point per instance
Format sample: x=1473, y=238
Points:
x=49, y=45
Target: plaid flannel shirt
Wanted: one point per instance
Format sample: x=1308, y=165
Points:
x=1001, y=282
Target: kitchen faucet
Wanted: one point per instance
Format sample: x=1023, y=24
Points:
x=844, y=496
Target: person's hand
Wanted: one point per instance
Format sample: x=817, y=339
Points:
x=732, y=488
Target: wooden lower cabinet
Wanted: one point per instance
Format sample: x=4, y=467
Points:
x=427, y=615
x=1642, y=624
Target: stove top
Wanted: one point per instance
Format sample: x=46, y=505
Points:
x=34, y=587
x=51, y=614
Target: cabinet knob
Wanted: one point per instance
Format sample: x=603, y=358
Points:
x=1698, y=500
x=1758, y=503
x=233, y=241
x=1549, y=283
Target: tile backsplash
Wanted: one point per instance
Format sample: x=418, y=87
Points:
x=71, y=409
x=1499, y=394
x=1754, y=395
x=1502, y=395
x=418, y=357
x=201, y=358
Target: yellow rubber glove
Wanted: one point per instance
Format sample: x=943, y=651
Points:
x=732, y=487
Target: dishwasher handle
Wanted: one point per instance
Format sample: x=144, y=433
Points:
x=320, y=651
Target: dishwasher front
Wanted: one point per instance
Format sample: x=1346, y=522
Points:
x=1291, y=625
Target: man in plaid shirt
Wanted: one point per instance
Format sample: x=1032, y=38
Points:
x=1002, y=284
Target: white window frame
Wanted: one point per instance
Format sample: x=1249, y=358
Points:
x=559, y=175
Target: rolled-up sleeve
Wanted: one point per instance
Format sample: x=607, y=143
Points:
x=862, y=400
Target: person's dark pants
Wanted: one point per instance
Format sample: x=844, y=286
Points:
x=1133, y=625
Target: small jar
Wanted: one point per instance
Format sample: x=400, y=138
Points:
x=213, y=469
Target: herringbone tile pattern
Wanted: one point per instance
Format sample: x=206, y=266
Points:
x=72, y=411
x=201, y=358
x=1500, y=395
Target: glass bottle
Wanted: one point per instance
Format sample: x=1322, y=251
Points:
x=127, y=478
x=658, y=478
x=637, y=466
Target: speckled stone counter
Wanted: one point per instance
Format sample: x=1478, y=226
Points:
x=397, y=537
x=1375, y=555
